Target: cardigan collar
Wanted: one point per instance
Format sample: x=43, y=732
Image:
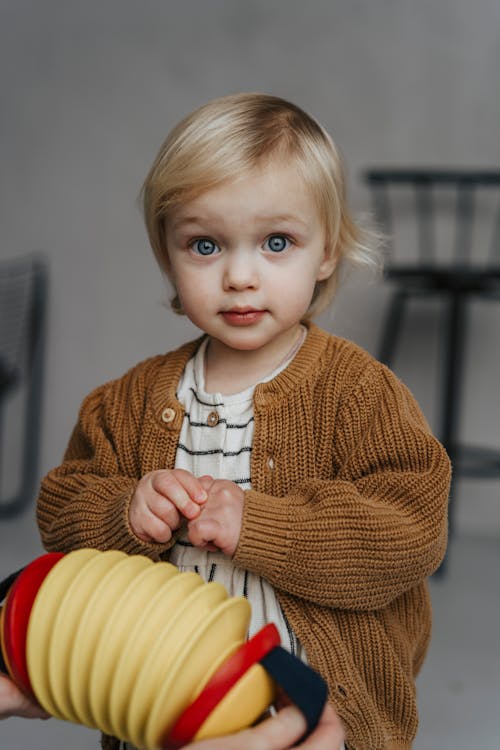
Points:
x=302, y=368
x=267, y=394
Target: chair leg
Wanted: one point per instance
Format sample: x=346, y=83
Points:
x=391, y=327
x=25, y=492
x=454, y=348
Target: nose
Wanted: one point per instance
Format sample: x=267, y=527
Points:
x=240, y=271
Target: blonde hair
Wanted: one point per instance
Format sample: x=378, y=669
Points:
x=234, y=134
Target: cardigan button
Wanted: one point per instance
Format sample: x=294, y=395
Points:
x=212, y=419
x=270, y=463
x=168, y=415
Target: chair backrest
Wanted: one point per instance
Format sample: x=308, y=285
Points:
x=23, y=292
x=438, y=216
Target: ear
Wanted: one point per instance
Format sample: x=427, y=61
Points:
x=327, y=265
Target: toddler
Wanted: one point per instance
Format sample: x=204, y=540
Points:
x=268, y=454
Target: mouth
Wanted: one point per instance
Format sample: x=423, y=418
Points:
x=242, y=315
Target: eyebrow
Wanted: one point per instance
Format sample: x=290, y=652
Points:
x=285, y=218
x=269, y=219
x=187, y=220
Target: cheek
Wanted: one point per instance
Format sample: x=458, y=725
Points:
x=294, y=304
x=300, y=285
x=183, y=280
x=195, y=294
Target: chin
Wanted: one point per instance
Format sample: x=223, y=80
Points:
x=244, y=346
x=243, y=343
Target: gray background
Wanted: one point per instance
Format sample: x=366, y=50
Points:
x=88, y=91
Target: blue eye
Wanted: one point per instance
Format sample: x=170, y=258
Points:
x=276, y=243
x=204, y=247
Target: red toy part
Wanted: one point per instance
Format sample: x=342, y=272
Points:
x=16, y=617
x=228, y=674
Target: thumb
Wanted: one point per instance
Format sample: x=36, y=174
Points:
x=206, y=481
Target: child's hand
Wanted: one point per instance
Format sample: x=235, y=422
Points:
x=218, y=526
x=160, y=500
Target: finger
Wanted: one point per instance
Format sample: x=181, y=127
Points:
x=14, y=703
x=204, y=531
x=165, y=511
x=277, y=733
x=168, y=484
x=328, y=735
x=192, y=485
x=211, y=547
x=286, y=727
x=206, y=482
x=154, y=530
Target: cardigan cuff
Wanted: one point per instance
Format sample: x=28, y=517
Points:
x=105, y=508
x=264, y=540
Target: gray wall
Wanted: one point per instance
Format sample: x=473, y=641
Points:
x=89, y=91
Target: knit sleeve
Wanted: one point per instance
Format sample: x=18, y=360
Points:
x=85, y=501
x=377, y=527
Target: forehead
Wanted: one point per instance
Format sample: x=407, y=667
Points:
x=273, y=189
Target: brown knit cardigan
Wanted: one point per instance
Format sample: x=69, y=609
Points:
x=346, y=521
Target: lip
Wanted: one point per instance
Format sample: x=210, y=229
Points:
x=242, y=316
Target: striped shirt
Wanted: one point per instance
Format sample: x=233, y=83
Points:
x=216, y=438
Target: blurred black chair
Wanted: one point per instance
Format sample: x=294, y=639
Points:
x=23, y=296
x=450, y=249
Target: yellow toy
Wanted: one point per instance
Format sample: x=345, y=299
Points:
x=141, y=651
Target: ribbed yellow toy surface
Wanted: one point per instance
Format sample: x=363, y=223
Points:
x=124, y=645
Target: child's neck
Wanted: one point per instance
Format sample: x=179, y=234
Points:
x=229, y=371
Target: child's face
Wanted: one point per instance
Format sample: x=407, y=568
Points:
x=245, y=257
